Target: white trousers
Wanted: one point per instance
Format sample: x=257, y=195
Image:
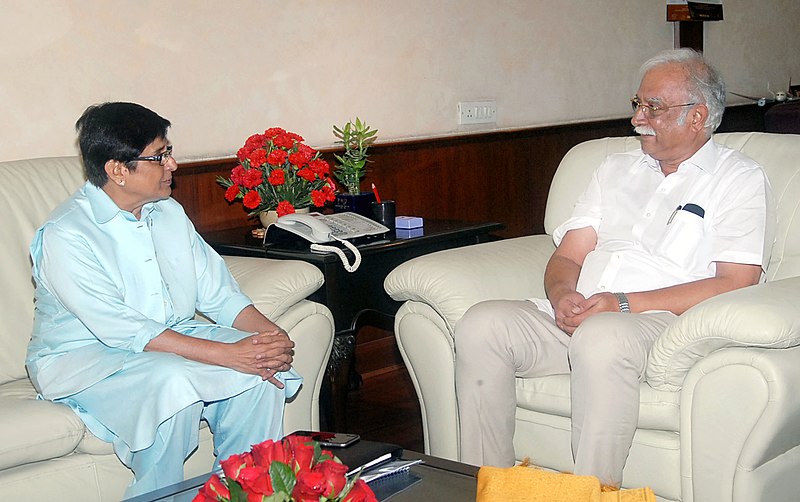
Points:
x=499, y=340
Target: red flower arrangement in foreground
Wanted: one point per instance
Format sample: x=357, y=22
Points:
x=294, y=469
x=277, y=171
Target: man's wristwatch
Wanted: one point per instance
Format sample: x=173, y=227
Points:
x=624, y=306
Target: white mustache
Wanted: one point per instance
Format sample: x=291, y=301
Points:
x=644, y=130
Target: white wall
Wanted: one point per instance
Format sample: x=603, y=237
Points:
x=221, y=70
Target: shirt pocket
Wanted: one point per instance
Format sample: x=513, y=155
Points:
x=682, y=240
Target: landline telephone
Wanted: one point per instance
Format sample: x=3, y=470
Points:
x=318, y=228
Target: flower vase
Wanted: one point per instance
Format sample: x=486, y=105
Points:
x=360, y=203
x=267, y=218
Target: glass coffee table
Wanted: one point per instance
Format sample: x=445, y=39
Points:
x=433, y=479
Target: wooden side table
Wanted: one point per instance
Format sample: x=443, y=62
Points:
x=356, y=299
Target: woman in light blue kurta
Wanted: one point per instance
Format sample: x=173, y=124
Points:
x=120, y=272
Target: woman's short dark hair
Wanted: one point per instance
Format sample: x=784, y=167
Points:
x=116, y=131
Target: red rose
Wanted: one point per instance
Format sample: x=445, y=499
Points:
x=203, y=497
x=320, y=167
x=251, y=199
x=277, y=157
x=231, y=193
x=212, y=490
x=269, y=451
x=237, y=175
x=292, y=442
x=285, y=207
x=277, y=177
x=307, y=174
x=235, y=463
x=334, y=473
x=303, y=453
x=310, y=486
x=257, y=157
x=360, y=492
x=256, y=480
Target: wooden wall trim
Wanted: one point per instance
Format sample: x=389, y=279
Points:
x=497, y=176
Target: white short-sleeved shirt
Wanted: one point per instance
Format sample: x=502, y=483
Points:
x=655, y=231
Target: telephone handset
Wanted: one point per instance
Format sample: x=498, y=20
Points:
x=318, y=228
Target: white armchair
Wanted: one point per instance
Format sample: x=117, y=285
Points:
x=719, y=415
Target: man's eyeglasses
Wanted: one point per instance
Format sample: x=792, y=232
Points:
x=161, y=158
x=651, y=111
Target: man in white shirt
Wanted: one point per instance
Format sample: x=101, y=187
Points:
x=657, y=231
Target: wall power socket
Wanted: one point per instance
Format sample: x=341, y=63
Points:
x=477, y=112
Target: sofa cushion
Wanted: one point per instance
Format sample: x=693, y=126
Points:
x=658, y=410
x=32, y=430
x=93, y=445
x=29, y=190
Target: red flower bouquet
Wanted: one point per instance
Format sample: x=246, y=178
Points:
x=277, y=171
x=294, y=469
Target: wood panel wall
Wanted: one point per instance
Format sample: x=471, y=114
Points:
x=498, y=176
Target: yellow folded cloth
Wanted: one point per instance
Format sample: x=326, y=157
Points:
x=530, y=484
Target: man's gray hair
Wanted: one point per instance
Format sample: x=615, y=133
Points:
x=704, y=83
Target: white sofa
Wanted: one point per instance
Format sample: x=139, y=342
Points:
x=45, y=451
x=720, y=411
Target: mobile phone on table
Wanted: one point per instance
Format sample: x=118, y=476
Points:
x=329, y=439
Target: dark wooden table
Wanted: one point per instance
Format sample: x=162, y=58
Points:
x=356, y=299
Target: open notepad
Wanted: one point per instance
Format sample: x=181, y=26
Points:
x=388, y=469
x=385, y=487
x=370, y=464
x=366, y=455
x=380, y=466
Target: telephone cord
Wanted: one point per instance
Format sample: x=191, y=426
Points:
x=347, y=266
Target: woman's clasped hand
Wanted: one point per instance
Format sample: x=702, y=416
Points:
x=264, y=354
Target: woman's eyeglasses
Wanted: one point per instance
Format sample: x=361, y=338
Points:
x=161, y=158
x=651, y=111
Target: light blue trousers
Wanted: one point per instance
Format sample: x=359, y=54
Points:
x=237, y=423
x=150, y=410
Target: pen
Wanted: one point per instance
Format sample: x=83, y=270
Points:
x=375, y=191
x=673, y=214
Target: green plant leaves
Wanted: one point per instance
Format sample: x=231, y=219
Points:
x=356, y=137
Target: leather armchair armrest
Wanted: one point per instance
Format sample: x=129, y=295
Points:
x=274, y=285
x=278, y=289
x=453, y=280
x=765, y=315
